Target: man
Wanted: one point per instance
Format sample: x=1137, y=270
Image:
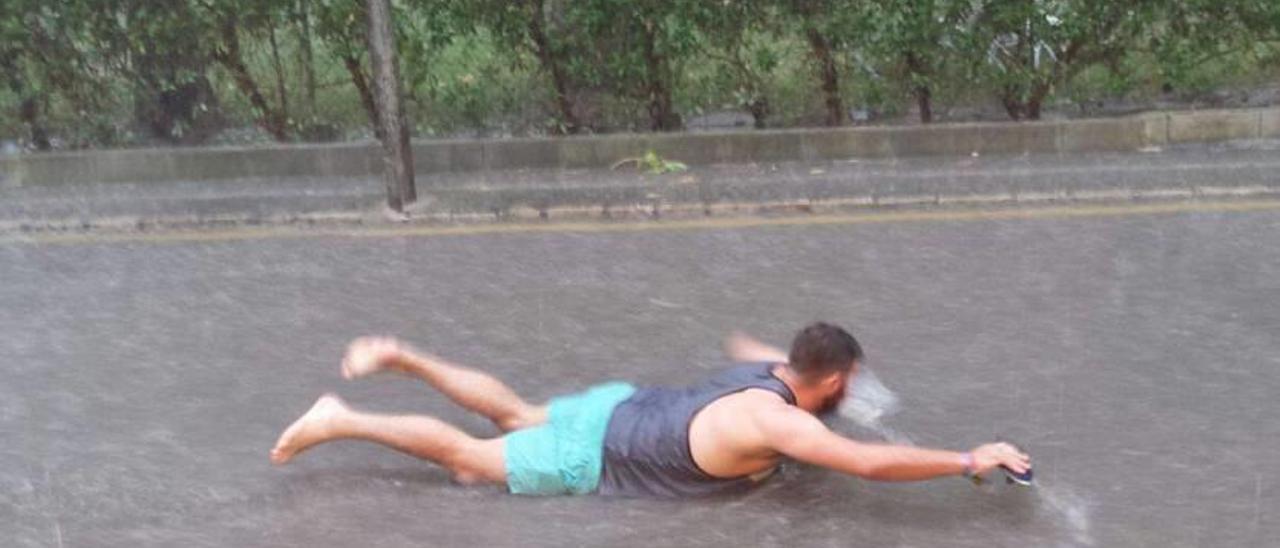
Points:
x=724, y=435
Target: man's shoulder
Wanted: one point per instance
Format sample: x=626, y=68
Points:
x=746, y=405
x=756, y=398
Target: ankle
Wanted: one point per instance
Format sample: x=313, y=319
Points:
x=401, y=362
x=407, y=360
x=341, y=423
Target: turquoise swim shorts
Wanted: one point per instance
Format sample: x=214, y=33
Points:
x=565, y=455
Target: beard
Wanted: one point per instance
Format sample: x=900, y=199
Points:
x=832, y=402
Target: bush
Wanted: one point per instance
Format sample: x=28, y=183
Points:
x=81, y=73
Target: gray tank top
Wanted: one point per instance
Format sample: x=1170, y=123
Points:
x=646, y=448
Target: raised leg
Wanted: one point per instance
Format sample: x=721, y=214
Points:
x=472, y=389
x=471, y=460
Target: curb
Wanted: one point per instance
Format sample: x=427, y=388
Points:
x=1132, y=133
x=637, y=211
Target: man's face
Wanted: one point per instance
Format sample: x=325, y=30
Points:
x=838, y=392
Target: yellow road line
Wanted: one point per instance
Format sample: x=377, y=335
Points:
x=851, y=218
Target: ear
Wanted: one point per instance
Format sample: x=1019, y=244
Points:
x=831, y=382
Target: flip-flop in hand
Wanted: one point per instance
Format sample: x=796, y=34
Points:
x=1002, y=455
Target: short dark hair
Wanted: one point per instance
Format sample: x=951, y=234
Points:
x=821, y=349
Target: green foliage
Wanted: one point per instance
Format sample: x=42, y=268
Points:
x=652, y=163
x=746, y=46
x=1205, y=41
x=78, y=73
x=658, y=165
x=1034, y=46
x=470, y=89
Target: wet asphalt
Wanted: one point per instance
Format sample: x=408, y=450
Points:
x=1136, y=357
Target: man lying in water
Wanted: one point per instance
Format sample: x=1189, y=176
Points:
x=724, y=435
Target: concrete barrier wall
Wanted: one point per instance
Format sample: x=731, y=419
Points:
x=439, y=156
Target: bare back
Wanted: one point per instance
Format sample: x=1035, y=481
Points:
x=726, y=443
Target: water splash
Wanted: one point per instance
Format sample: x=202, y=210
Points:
x=1072, y=510
x=868, y=402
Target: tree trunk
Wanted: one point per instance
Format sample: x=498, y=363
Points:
x=229, y=56
x=662, y=114
x=1033, y=109
x=397, y=157
x=759, y=109
x=1028, y=108
x=552, y=64
x=181, y=113
x=361, y=82
x=828, y=75
x=1012, y=104
x=924, y=98
x=1038, y=95
x=307, y=52
x=29, y=112
x=28, y=107
x=1033, y=106
x=922, y=92
x=282, y=97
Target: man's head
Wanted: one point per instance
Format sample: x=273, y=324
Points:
x=824, y=357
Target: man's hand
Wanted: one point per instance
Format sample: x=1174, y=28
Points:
x=988, y=457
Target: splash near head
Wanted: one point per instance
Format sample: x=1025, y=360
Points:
x=868, y=401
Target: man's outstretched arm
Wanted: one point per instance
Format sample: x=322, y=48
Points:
x=803, y=437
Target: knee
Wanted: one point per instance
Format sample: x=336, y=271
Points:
x=461, y=470
x=467, y=474
x=526, y=417
x=478, y=462
x=465, y=477
x=511, y=423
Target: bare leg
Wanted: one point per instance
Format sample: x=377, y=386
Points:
x=472, y=389
x=471, y=460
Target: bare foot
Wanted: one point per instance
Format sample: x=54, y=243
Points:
x=311, y=428
x=367, y=355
